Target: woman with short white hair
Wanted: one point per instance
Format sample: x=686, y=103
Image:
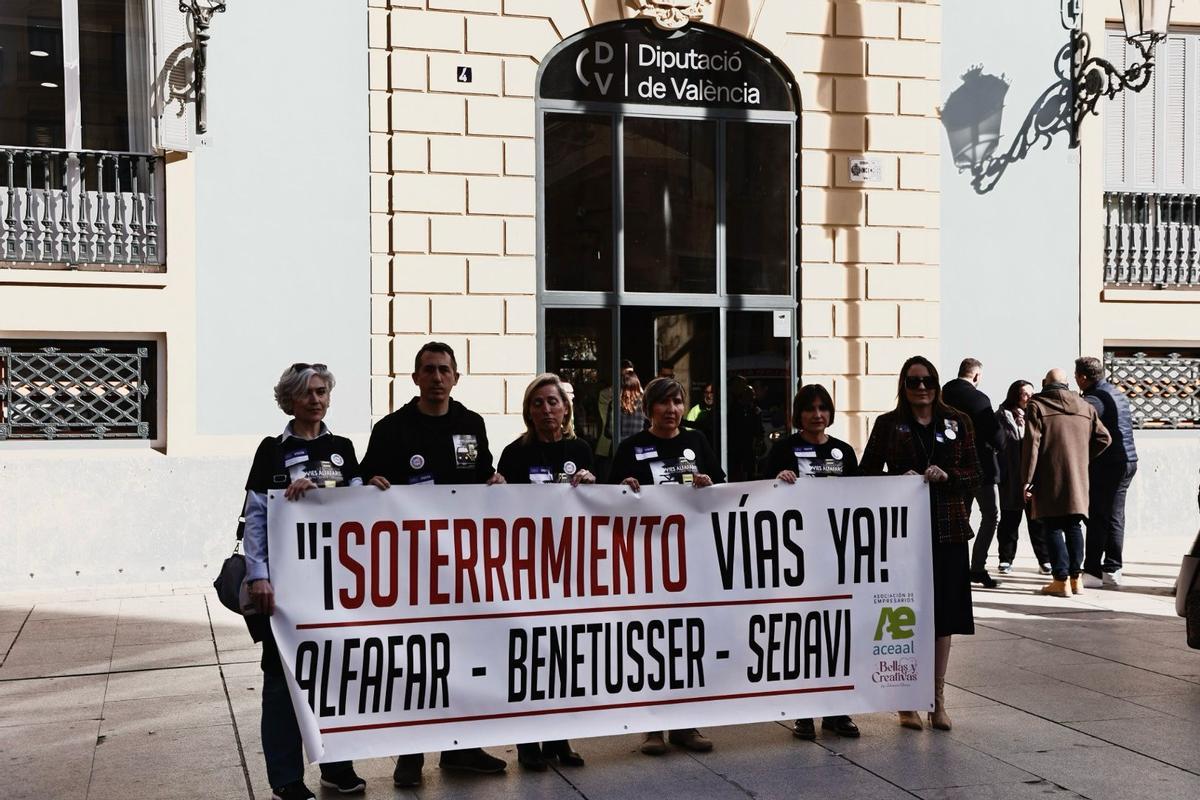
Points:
x=305, y=457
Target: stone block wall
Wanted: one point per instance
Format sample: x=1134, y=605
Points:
x=453, y=192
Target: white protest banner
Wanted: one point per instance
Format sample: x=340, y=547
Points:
x=440, y=617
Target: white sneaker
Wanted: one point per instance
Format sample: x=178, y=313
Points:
x=1045, y=568
x=1112, y=580
x=1090, y=581
x=1005, y=569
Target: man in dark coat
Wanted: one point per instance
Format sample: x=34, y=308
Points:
x=963, y=394
x=1109, y=476
x=1062, y=435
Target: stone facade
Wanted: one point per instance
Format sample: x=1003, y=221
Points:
x=453, y=189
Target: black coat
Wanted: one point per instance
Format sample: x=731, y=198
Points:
x=962, y=395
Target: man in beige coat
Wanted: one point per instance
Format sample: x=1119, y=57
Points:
x=1062, y=435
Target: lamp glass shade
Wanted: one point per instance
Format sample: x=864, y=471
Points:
x=1146, y=19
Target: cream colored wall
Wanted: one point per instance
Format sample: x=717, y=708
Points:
x=1122, y=316
x=133, y=305
x=453, y=193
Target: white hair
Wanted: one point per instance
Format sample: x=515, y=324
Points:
x=293, y=383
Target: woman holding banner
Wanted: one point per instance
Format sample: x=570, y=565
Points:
x=811, y=452
x=304, y=457
x=667, y=453
x=924, y=436
x=547, y=452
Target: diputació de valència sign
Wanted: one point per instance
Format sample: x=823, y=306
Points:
x=633, y=62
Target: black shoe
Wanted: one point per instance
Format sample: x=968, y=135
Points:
x=530, y=756
x=841, y=725
x=804, y=729
x=408, y=770
x=982, y=577
x=562, y=750
x=345, y=782
x=293, y=791
x=473, y=759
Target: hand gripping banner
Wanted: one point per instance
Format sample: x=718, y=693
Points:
x=436, y=617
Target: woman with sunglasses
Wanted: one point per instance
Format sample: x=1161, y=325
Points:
x=547, y=452
x=812, y=452
x=305, y=457
x=924, y=436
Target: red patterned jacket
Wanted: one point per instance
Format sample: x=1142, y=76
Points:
x=893, y=450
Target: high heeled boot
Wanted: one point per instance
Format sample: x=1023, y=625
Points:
x=911, y=719
x=938, y=718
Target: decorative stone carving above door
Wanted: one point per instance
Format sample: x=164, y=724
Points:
x=672, y=14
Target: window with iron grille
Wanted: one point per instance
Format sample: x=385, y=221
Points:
x=1163, y=385
x=78, y=389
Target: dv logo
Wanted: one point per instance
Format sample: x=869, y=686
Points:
x=601, y=57
x=898, y=622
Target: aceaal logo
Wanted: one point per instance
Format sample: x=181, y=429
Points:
x=898, y=624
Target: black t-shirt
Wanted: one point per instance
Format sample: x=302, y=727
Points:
x=327, y=461
x=409, y=447
x=652, y=460
x=544, y=462
x=835, y=458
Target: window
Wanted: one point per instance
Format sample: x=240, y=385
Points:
x=101, y=102
x=1162, y=385
x=667, y=224
x=78, y=389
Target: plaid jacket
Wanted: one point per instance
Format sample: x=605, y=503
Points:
x=894, y=450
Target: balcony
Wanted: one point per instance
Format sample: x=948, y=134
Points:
x=80, y=209
x=1152, y=240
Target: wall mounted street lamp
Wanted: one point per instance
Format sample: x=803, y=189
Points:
x=1146, y=23
x=201, y=12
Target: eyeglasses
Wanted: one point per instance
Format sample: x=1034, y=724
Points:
x=300, y=366
x=919, y=381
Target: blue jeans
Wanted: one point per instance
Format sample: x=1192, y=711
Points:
x=1064, y=538
x=282, y=745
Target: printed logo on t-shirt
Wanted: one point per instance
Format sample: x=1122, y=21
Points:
x=809, y=465
x=466, y=450
x=672, y=470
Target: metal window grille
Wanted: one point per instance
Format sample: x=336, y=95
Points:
x=71, y=389
x=1163, y=390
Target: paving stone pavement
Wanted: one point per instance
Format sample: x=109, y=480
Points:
x=152, y=692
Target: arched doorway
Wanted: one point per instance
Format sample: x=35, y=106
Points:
x=667, y=228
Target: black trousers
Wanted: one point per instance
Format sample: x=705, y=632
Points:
x=986, y=498
x=1106, y=516
x=1010, y=525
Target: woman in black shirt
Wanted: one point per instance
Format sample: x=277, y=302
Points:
x=547, y=452
x=667, y=453
x=811, y=452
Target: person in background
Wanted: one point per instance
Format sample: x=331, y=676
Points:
x=812, y=452
x=667, y=453
x=1109, y=477
x=1063, y=434
x=433, y=439
x=964, y=395
x=547, y=452
x=744, y=423
x=924, y=436
x=605, y=415
x=305, y=457
x=1011, y=418
x=702, y=416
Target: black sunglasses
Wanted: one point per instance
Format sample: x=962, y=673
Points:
x=300, y=366
x=917, y=381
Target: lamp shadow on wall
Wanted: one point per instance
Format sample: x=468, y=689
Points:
x=973, y=112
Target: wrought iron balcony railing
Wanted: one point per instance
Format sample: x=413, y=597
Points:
x=1152, y=240
x=78, y=207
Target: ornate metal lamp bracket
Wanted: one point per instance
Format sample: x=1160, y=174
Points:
x=201, y=12
x=1094, y=77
